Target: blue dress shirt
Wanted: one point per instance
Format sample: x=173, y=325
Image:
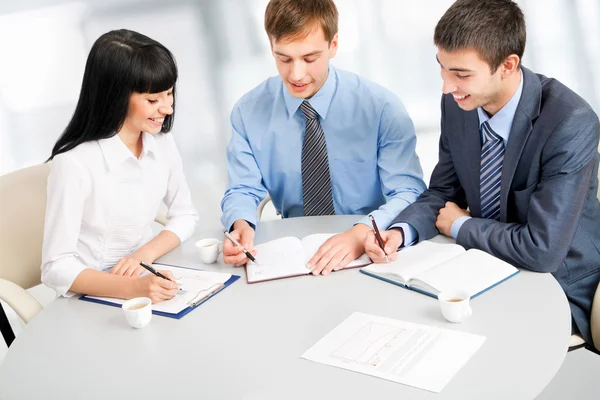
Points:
x=370, y=145
x=500, y=123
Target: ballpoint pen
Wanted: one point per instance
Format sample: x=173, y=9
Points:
x=155, y=272
x=246, y=252
x=378, y=237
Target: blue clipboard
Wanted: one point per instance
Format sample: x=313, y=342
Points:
x=180, y=314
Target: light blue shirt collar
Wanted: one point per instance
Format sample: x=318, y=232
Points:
x=501, y=122
x=320, y=100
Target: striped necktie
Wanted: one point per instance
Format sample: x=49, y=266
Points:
x=316, y=181
x=492, y=158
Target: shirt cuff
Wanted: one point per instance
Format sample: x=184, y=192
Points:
x=61, y=274
x=249, y=217
x=381, y=218
x=410, y=234
x=457, y=224
x=249, y=223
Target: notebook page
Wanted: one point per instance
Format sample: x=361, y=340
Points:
x=311, y=244
x=192, y=281
x=472, y=271
x=416, y=259
x=277, y=259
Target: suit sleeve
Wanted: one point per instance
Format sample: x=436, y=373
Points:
x=444, y=186
x=555, y=205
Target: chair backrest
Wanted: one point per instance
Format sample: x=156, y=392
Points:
x=22, y=213
x=595, y=319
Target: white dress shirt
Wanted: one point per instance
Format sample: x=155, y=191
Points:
x=102, y=201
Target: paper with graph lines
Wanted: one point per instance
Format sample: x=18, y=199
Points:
x=416, y=355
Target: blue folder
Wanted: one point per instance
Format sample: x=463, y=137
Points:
x=179, y=315
x=428, y=293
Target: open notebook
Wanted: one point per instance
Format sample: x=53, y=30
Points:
x=431, y=268
x=198, y=286
x=288, y=256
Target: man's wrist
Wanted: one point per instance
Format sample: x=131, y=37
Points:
x=360, y=230
x=241, y=224
x=401, y=234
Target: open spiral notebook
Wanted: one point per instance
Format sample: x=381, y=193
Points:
x=198, y=286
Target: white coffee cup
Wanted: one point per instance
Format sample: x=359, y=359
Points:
x=455, y=305
x=208, y=250
x=138, y=311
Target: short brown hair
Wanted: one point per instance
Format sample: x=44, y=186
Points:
x=294, y=18
x=494, y=28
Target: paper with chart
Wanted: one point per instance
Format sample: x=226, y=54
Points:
x=416, y=355
x=196, y=284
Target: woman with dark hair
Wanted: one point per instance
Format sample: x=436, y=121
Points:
x=111, y=168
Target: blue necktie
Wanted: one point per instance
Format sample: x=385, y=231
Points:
x=492, y=158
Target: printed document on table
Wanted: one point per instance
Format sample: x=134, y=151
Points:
x=415, y=355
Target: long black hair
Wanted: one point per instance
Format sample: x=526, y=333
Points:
x=120, y=63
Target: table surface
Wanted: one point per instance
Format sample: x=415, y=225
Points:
x=246, y=342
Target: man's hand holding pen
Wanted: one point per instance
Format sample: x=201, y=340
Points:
x=392, y=240
x=244, y=234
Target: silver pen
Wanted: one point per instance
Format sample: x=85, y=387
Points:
x=250, y=256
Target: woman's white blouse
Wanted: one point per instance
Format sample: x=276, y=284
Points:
x=102, y=202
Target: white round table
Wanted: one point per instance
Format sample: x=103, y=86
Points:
x=246, y=342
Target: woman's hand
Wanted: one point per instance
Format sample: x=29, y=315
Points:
x=156, y=288
x=128, y=266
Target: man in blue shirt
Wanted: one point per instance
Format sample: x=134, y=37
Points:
x=318, y=140
x=517, y=174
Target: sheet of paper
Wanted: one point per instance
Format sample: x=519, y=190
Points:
x=277, y=258
x=416, y=355
x=311, y=244
x=196, y=284
x=416, y=259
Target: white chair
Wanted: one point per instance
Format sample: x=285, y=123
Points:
x=261, y=207
x=576, y=340
x=595, y=319
x=595, y=315
x=161, y=215
x=22, y=212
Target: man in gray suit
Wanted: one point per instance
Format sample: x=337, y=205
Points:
x=518, y=159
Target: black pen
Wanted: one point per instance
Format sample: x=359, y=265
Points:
x=378, y=237
x=155, y=272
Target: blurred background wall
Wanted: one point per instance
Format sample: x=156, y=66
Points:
x=222, y=52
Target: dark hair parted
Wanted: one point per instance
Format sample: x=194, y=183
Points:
x=494, y=28
x=120, y=63
x=292, y=19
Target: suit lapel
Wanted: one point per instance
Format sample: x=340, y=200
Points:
x=527, y=111
x=472, y=150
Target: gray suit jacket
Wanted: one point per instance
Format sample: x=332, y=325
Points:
x=550, y=215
